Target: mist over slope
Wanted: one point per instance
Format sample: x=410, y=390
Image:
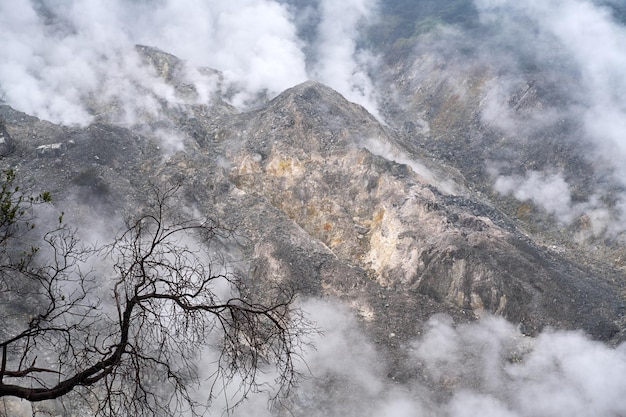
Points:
x=483, y=175
x=533, y=90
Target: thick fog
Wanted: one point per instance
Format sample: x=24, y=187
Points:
x=59, y=57
x=58, y=54
x=580, y=45
x=487, y=368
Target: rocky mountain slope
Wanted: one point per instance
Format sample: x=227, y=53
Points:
x=303, y=180
x=390, y=220
x=446, y=236
x=517, y=118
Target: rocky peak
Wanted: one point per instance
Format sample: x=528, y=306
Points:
x=311, y=117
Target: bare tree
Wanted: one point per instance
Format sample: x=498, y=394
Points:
x=127, y=340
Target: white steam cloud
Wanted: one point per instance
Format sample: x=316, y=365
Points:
x=550, y=192
x=486, y=368
x=493, y=370
x=60, y=56
x=594, y=41
x=254, y=43
x=442, y=181
x=588, y=44
x=339, y=61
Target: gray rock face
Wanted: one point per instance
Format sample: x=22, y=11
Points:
x=6, y=143
x=321, y=212
x=395, y=228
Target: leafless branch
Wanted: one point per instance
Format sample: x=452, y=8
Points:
x=135, y=346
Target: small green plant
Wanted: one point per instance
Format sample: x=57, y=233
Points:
x=15, y=206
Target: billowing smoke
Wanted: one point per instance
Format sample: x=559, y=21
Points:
x=339, y=62
x=442, y=181
x=486, y=368
x=550, y=192
x=58, y=54
x=59, y=57
x=254, y=43
x=592, y=41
